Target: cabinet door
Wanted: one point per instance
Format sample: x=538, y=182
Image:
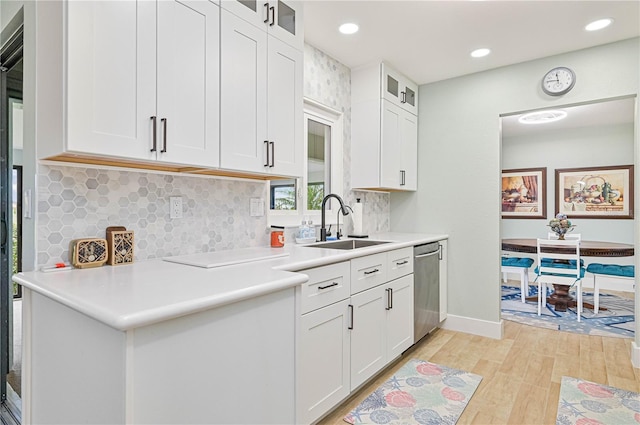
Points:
x=243, y=125
x=399, y=310
x=322, y=362
x=285, y=110
x=368, y=336
x=282, y=19
x=390, y=150
x=409, y=151
x=399, y=90
x=188, y=82
x=111, y=78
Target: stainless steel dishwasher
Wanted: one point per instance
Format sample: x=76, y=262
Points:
x=426, y=288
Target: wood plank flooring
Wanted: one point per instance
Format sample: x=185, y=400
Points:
x=521, y=373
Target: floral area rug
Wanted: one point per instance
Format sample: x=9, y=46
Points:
x=617, y=321
x=587, y=403
x=419, y=393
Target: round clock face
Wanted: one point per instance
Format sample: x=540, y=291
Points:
x=558, y=81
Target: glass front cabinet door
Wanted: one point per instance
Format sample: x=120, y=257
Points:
x=282, y=19
x=399, y=90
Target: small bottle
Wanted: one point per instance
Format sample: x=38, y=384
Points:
x=303, y=230
x=312, y=230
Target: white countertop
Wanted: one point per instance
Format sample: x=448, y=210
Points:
x=139, y=294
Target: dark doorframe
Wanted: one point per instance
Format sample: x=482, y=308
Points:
x=11, y=54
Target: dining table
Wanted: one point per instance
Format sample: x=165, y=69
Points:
x=560, y=298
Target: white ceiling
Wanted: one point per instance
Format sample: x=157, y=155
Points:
x=431, y=40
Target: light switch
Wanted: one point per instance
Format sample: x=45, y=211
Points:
x=257, y=207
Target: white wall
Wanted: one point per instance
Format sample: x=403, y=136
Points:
x=571, y=148
x=459, y=157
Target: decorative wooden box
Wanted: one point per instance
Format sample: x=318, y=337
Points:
x=120, y=242
x=86, y=253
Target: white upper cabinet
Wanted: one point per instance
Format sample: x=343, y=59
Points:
x=399, y=90
x=282, y=19
x=143, y=81
x=261, y=99
x=384, y=130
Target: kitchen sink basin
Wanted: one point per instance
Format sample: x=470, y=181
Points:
x=347, y=244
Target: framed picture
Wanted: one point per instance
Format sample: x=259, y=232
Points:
x=595, y=192
x=524, y=193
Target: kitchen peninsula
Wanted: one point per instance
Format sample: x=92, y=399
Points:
x=160, y=342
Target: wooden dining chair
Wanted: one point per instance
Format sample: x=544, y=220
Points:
x=559, y=263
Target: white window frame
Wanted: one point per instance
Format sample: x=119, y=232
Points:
x=335, y=119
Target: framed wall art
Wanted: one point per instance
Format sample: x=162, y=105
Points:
x=595, y=192
x=524, y=193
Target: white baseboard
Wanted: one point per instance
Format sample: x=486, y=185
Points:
x=635, y=355
x=472, y=326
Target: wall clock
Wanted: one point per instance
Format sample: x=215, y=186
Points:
x=558, y=81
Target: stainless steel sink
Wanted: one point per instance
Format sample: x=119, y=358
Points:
x=347, y=244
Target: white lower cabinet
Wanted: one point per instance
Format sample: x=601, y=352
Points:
x=322, y=371
x=352, y=322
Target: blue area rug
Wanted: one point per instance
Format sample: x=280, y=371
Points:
x=418, y=393
x=617, y=321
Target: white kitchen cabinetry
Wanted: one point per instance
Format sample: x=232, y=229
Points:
x=282, y=19
x=384, y=131
x=382, y=325
x=443, y=279
x=142, y=81
x=399, y=90
x=323, y=348
x=354, y=318
x=204, y=367
x=261, y=100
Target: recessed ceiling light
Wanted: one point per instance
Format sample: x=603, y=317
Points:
x=542, y=117
x=599, y=24
x=349, y=28
x=478, y=53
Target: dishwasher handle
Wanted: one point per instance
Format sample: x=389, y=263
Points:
x=430, y=254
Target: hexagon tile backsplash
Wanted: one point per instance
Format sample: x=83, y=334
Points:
x=78, y=202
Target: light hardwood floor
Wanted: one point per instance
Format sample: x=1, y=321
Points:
x=521, y=373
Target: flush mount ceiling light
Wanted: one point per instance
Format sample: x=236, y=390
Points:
x=542, y=117
x=599, y=24
x=349, y=28
x=478, y=53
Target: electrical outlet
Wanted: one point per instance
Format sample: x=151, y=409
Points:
x=175, y=207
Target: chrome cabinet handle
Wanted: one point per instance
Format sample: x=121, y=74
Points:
x=402, y=177
x=388, y=307
x=154, y=132
x=273, y=154
x=273, y=15
x=402, y=263
x=266, y=6
x=350, y=317
x=404, y=97
x=266, y=144
x=328, y=286
x=390, y=298
x=164, y=135
x=372, y=271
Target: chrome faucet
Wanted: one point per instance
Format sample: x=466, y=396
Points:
x=343, y=209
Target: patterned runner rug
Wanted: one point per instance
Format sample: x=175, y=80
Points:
x=617, y=321
x=419, y=393
x=588, y=403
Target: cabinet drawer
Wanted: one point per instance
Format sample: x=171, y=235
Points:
x=326, y=285
x=367, y=272
x=400, y=263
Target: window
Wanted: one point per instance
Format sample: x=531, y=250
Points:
x=292, y=200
